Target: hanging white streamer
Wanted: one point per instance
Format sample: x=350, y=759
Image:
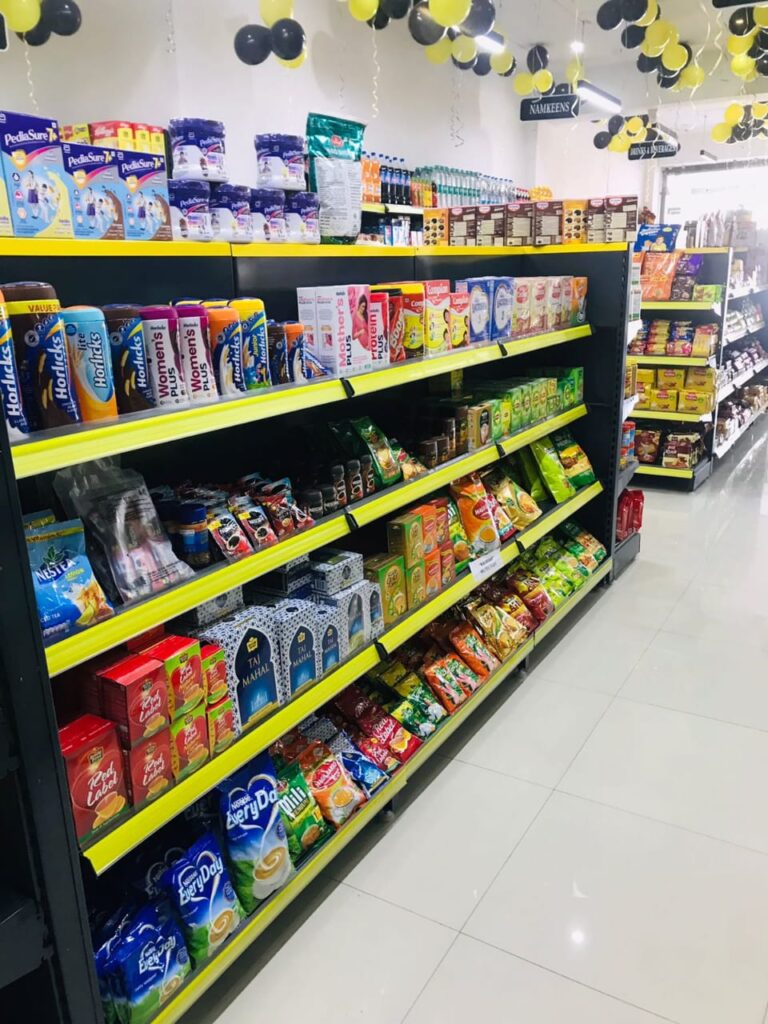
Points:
x=376, y=74
x=170, y=38
x=457, y=125
x=30, y=81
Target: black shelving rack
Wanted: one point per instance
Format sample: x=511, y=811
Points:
x=45, y=945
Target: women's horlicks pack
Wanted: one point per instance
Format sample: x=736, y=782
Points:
x=94, y=191
x=144, y=196
x=34, y=176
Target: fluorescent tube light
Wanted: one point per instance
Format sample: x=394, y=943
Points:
x=577, y=47
x=598, y=97
x=707, y=156
x=491, y=43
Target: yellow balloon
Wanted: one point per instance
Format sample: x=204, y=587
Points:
x=619, y=145
x=739, y=44
x=634, y=125
x=661, y=33
x=463, y=48
x=641, y=135
x=650, y=15
x=363, y=9
x=760, y=110
x=449, y=12
x=21, y=15
x=742, y=65
x=751, y=75
x=296, y=62
x=523, y=83
x=573, y=70
x=543, y=80
x=502, y=62
x=439, y=52
x=721, y=132
x=674, y=57
x=273, y=10
x=733, y=113
x=651, y=50
x=761, y=16
x=692, y=76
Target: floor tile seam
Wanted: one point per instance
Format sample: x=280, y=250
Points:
x=423, y=988
x=503, y=775
x=693, y=714
x=661, y=821
x=397, y=906
x=568, y=977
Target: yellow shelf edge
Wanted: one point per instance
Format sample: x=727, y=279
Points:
x=679, y=417
x=683, y=474
x=82, y=646
x=524, y=437
x=518, y=250
x=533, y=533
x=46, y=454
x=669, y=360
x=109, y=248
x=678, y=305
x=274, y=250
x=554, y=620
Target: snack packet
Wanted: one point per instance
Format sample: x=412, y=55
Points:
x=385, y=466
x=592, y=544
x=587, y=561
x=361, y=769
x=502, y=633
x=476, y=513
x=555, y=584
x=519, y=506
x=468, y=680
x=458, y=537
x=69, y=597
x=420, y=695
x=444, y=685
x=375, y=722
x=530, y=473
x=254, y=833
x=305, y=825
x=531, y=590
x=201, y=894
x=516, y=607
x=330, y=784
x=469, y=645
x=577, y=466
x=551, y=469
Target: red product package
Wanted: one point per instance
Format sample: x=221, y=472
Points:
x=148, y=768
x=638, y=503
x=396, y=327
x=377, y=723
x=353, y=703
x=462, y=673
x=470, y=646
x=183, y=672
x=624, y=516
x=373, y=749
x=444, y=685
x=214, y=666
x=530, y=589
x=657, y=275
x=133, y=694
x=517, y=608
x=94, y=772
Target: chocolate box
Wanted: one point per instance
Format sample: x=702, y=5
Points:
x=462, y=225
x=518, y=224
x=548, y=222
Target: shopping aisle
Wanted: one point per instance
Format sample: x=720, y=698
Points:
x=594, y=846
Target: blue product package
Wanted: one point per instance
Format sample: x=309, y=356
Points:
x=34, y=176
x=503, y=295
x=106, y=942
x=361, y=769
x=480, y=297
x=198, y=147
x=299, y=645
x=144, y=196
x=332, y=647
x=94, y=191
x=10, y=386
x=45, y=375
x=199, y=888
x=69, y=597
x=255, y=837
x=90, y=360
x=226, y=337
x=190, y=212
x=130, y=368
x=149, y=965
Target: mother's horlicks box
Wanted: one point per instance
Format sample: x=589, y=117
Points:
x=34, y=176
x=144, y=196
x=94, y=187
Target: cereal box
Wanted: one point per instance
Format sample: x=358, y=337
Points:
x=148, y=768
x=34, y=176
x=428, y=525
x=189, y=742
x=416, y=584
x=117, y=134
x=133, y=693
x=459, y=319
x=144, y=196
x=222, y=725
x=214, y=665
x=434, y=574
x=75, y=133
x=181, y=660
x=518, y=226
x=388, y=571
x=437, y=295
x=405, y=536
x=94, y=772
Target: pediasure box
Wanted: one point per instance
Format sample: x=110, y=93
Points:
x=6, y=228
x=144, y=196
x=94, y=187
x=34, y=176
x=343, y=338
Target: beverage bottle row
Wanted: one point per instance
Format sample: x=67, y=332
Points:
x=386, y=179
x=456, y=187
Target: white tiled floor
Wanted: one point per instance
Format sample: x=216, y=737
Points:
x=593, y=847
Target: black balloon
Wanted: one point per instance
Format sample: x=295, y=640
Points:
x=741, y=21
x=609, y=15
x=395, y=8
x=762, y=65
x=741, y=132
x=651, y=135
x=36, y=36
x=762, y=39
x=288, y=39
x=631, y=10
x=379, y=20
x=632, y=36
x=668, y=80
x=512, y=70
x=537, y=59
x=482, y=64
x=61, y=16
x=601, y=140
x=465, y=65
x=647, y=64
x=755, y=49
x=253, y=44
x=645, y=119
x=562, y=89
x=423, y=26
x=480, y=19
x=615, y=124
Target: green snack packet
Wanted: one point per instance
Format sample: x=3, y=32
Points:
x=555, y=584
x=590, y=543
x=335, y=148
x=304, y=823
x=420, y=695
x=529, y=471
x=411, y=716
x=551, y=469
x=385, y=466
x=577, y=466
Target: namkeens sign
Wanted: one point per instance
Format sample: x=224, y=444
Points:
x=550, y=108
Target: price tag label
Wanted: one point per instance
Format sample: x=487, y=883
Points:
x=485, y=566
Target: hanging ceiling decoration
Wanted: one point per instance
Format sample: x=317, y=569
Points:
x=742, y=123
x=35, y=21
x=280, y=34
x=661, y=51
x=747, y=44
x=637, y=136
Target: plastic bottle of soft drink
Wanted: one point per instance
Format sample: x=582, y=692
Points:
x=386, y=179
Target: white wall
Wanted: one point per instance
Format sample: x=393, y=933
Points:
x=568, y=162
x=118, y=67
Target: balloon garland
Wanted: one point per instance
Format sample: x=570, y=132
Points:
x=742, y=123
x=621, y=132
x=34, y=21
x=747, y=44
x=661, y=51
x=280, y=35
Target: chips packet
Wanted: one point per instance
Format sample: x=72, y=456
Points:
x=551, y=469
x=555, y=584
x=305, y=825
x=468, y=680
x=361, y=769
x=470, y=647
x=476, y=514
x=330, y=784
x=502, y=633
x=577, y=466
x=420, y=695
x=254, y=833
x=590, y=543
x=519, y=506
x=531, y=590
x=444, y=685
x=530, y=474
